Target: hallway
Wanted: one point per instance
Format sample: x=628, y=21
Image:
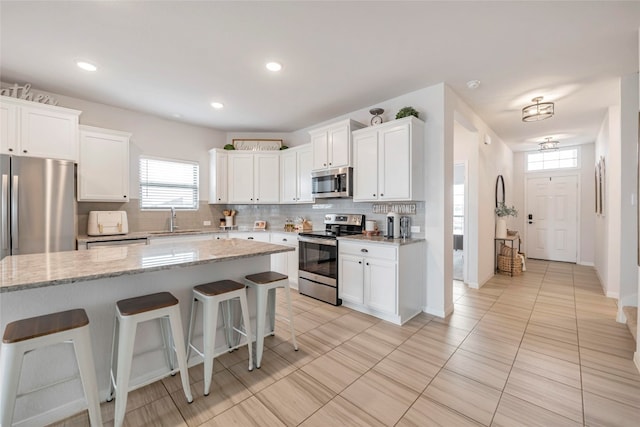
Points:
x=540, y=349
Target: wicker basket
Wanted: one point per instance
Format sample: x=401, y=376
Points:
x=504, y=264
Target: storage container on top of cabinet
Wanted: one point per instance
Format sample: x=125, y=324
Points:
x=389, y=161
x=38, y=130
x=332, y=144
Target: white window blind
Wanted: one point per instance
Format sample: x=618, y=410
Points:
x=166, y=183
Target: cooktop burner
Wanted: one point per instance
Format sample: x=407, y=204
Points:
x=339, y=225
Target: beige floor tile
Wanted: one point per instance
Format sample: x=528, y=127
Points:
x=514, y=412
x=477, y=367
x=78, y=420
x=443, y=333
x=364, y=349
x=478, y=301
x=500, y=330
x=569, y=336
x=426, y=412
x=602, y=412
x=458, y=321
x=549, y=367
x=294, y=398
x=380, y=396
x=226, y=391
x=309, y=348
x=136, y=399
x=511, y=310
x=468, y=311
x=619, y=346
x=393, y=334
x=159, y=413
x=491, y=348
x=464, y=395
x=407, y=370
x=620, y=389
x=553, y=320
x=330, y=335
x=273, y=367
x=354, y=321
x=250, y=412
x=306, y=321
x=335, y=370
x=428, y=349
x=339, y=412
x=227, y=360
x=551, y=395
x=609, y=363
x=196, y=374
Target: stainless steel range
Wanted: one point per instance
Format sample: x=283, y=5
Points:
x=318, y=256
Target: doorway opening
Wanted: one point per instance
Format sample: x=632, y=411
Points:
x=459, y=190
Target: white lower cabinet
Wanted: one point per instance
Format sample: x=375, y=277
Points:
x=260, y=236
x=385, y=280
x=286, y=262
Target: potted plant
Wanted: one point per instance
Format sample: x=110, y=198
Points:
x=406, y=112
x=501, y=224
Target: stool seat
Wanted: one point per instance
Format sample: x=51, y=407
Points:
x=266, y=277
x=142, y=304
x=219, y=288
x=39, y=326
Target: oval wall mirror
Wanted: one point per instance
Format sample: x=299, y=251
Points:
x=499, y=190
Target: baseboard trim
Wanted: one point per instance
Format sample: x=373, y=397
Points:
x=438, y=312
x=614, y=295
x=586, y=264
x=473, y=285
x=636, y=359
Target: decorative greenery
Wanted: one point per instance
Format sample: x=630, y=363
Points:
x=406, y=112
x=504, y=210
x=229, y=147
x=284, y=147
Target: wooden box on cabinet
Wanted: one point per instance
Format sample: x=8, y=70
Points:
x=103, y=169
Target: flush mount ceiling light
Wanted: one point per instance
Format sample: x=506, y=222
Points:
x=548, y=145
x=87, y=66
x=274, y=66
x=217, y=105
x=473, y=84
x=538, y=111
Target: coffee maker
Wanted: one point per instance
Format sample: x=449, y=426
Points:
x=393, y=225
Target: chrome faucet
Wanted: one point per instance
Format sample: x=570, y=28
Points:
x=172, y=220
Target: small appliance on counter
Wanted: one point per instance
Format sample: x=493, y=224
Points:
x=107, y=223
x=405, y=227
x=393, y=225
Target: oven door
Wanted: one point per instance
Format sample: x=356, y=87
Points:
x=318, y=260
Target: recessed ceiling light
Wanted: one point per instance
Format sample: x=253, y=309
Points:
x=87, y=66
x=274, y=66
x=217, y=105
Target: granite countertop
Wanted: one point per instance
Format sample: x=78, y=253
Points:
x=21, y=272
x=82, y=239
x=382, y=240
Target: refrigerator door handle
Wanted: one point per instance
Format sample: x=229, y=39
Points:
x=5, y=213
x=14, y=213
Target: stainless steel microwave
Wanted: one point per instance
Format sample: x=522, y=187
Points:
x=332, y=183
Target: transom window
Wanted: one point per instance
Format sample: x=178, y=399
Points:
x=558, y=159
x=168, y=183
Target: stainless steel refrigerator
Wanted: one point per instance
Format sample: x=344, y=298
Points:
x=38, y=205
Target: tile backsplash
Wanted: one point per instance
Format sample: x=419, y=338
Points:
x=246, y=215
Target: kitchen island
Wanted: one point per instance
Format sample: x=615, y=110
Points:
x=32, y=285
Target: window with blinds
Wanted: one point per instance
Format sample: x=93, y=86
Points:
x=167, y=183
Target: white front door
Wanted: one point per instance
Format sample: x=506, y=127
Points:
x=552, y=217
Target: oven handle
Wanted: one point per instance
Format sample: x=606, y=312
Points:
x=325, y=242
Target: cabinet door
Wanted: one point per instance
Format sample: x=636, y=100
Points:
x=351, y=278
x=339, y=148
x=266, y=187
x=48, y=133
x=288, y=177
x=365, y=172
x=320, y=144
x=9, y=143
x=380, y=285
x=305, y=166
x=394, y=163
x=103, y=169
x=218, y=177
x=240, y=178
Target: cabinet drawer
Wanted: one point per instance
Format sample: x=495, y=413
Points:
x=367, y=250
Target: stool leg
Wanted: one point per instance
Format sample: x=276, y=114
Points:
x=178, y=340
x=246, y=319
x=271, y=308
x=209, y=328
x=261, y=314
x=225, y=307
x=165, y=327
x=127, y=335
x=293, y=331
x=114, y=347
x=10, y=365
x=84, y=357
x=191, y=324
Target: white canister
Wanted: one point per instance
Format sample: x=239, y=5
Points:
x=370, y=225
x=228, y=220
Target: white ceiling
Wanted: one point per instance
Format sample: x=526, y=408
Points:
x=176, y=57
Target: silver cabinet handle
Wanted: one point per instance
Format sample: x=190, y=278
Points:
x=14, y=213
x=5, y=212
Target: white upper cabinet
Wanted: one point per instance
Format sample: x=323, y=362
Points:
x=103, y=168
x=38, y=130
x=389, y=161
x=254, y=178
x=218, y=176
x=332, y=144
x=295, y=175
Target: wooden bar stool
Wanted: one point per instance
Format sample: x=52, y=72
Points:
x=265, y=285
x=23, y=336
x=211, y=295
x=129, y=312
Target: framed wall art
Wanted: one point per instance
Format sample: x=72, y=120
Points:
x=257, y=144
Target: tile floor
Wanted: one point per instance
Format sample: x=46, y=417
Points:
x=541, y=349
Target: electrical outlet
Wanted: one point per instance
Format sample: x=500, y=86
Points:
x=206, y=223
x=415, y=228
